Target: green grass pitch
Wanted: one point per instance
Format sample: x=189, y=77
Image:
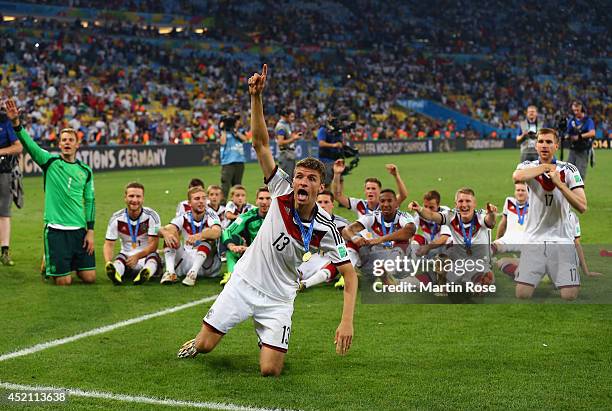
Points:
x=404, y=356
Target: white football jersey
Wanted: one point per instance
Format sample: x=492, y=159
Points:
x=270, y=263
x=183, y=223
x=148, y=224
x=360, y=206
x=182, y=208
x=233, y=208
x=373, y=223
x=516, y=217
x=548, y=218
x=481, y=234
x=220, y=213
x=431, y=231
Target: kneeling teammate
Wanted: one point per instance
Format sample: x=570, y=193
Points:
x=241, y=233
x=554, y=188
x=320, y=268
x=471, y=235
x=433, y=235
x=196, y=257
x=265, y=279
x=136, y=227
x=511, y=230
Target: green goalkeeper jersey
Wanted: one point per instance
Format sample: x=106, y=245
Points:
x=246, y=226
x=69, y=187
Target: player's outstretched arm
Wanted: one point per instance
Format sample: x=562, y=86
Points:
x=403, y=234
x=402, y=191
x=351, y=233
x=261, y=139
x=344, y=332
x=338, y=185
x=426, y=213
x=39, y=155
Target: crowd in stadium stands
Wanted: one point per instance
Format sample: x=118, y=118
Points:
x=121, y=83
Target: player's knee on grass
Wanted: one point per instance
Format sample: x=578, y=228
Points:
x=271, y=362
x=63, y=280
x=88, y=277
x=569, y=293
x=523, y=291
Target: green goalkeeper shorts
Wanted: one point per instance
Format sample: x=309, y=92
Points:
x=64, y=252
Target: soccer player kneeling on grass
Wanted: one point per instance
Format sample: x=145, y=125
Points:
x=471, y=235
x=554, y=188
x=265, y=280
x=137, y=228
x=69, y=205
x=199, y=229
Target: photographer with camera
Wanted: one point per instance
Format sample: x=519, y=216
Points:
x=581, y=132
x=232, y=152
x=10, y=148
x=285, y=139
x=330, y=144
x=526, y=137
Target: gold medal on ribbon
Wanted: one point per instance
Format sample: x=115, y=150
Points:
x=134, y=245
x=306, y=256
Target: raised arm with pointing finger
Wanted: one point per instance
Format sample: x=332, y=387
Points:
x=261, y=139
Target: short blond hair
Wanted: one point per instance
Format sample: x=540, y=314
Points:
x=193, y=190
x=464, y=190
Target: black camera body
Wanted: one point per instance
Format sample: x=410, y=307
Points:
x=229, y=122
x=532, y=135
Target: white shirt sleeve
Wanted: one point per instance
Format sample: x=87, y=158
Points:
x=154, y=224
x=212, y=218
x=111, y=231
x=505, y=211
x=573, y=179
x=279, y=183
x=178, y=222
x=353, y=203
x=447, y=216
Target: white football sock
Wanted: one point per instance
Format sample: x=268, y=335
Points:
x=120, y=267
x=317, y=278
x=198, y=261
x=151, y=264
x=170, y=254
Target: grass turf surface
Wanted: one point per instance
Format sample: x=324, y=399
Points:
x=404, y=356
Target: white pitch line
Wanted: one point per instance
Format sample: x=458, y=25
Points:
x=101, y=330
x=135, y=399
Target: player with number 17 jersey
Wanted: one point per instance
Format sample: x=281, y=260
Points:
x=549, y=212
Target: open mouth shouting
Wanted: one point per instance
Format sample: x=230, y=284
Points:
x=302, y=195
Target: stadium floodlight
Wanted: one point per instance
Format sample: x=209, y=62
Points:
x=9, y=18
x=165, y=30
